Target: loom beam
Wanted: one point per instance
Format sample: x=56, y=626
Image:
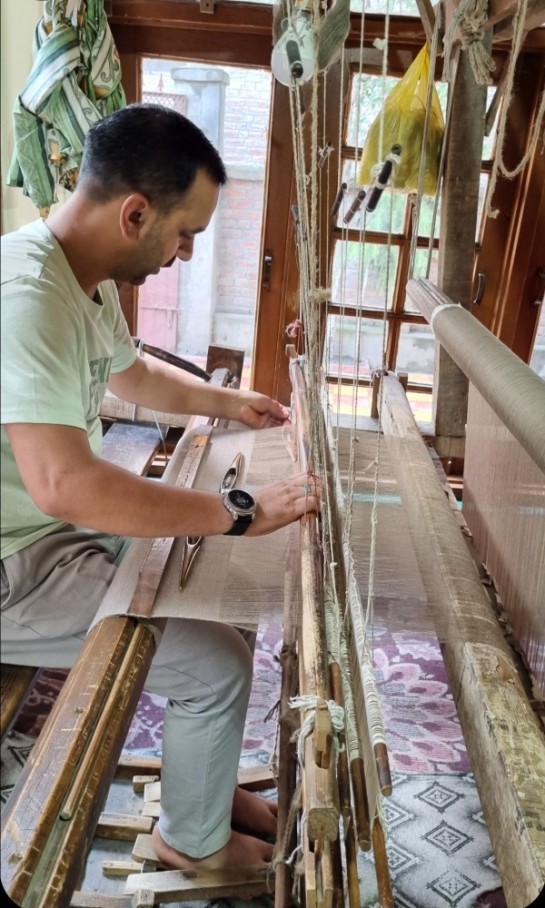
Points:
x=509, y=386
x=503, y=737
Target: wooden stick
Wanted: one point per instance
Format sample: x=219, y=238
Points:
x=385, y=895
x=361, y=807
x=343, y=777
x=287, y=768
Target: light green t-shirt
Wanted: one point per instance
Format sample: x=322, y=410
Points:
x=58, y=350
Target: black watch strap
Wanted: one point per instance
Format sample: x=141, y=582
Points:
x=240, y=525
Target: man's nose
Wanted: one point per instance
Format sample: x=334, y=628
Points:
x=185, y=249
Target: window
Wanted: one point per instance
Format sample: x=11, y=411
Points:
x=369, y=322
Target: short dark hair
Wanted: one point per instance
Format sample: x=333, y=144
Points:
x=149, y=149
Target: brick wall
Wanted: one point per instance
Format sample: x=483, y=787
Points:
x=241, y=213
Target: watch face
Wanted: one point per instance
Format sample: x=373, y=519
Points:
x=241, y=499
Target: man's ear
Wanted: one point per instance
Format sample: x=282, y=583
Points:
x=134, y=215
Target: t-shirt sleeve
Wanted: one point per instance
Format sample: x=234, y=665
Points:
x=125, y=352
x=41, y=380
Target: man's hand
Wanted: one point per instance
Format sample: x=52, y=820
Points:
x=259, y=411
x=280, y=503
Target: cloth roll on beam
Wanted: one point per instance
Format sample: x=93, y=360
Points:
x=514, y=391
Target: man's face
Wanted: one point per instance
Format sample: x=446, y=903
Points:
x=171, y=236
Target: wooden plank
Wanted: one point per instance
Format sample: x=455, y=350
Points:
x=129, y=764
x=121, y=827
x=143, y=850
x=17, y=681
x=131, y=446
x=120, y=868
x=100, y=900
x=175, y=885
x=139, y=782
x=152, y=792
x=253, y=778
x=502, y=734
x=256, y=778
x=151, y=809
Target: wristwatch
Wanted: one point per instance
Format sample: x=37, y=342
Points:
x=241, y=507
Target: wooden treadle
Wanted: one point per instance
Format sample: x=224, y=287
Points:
x=174, y=885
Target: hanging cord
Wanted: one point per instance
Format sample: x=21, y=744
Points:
x=498, y=165
x=470, y=16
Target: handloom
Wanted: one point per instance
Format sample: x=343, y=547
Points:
x=387, y=532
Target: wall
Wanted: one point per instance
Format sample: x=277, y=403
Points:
x=18, y=23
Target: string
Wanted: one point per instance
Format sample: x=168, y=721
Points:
x=498, y=165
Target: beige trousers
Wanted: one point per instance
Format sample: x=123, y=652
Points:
x=50, y=592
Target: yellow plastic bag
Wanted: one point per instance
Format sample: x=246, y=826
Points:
x=404, y=115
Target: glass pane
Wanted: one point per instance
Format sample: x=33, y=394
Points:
x=388, y=216
x=420, y=402
x=401, y=7
x=363, y=274
x=367, y=97
x=346, y=400
x=416, y=353
x=537, y=360
x=212, y=298
x=426, y=219
x=353, y=346
x=483, y=187
x=420, y=270
x=489, y=141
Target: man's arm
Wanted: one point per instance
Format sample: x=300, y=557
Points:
x=158, y=386
x=67, y=482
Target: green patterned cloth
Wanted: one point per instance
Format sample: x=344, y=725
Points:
x=74, y=82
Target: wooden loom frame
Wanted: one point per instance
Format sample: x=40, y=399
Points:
x=504, y=739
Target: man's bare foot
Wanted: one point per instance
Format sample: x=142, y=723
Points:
x=240, y=851
x=254, y=814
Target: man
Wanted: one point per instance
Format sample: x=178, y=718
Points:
x=148, y=184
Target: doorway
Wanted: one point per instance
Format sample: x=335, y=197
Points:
x=213, y=298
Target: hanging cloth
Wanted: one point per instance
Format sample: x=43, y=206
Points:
x=74, y=82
